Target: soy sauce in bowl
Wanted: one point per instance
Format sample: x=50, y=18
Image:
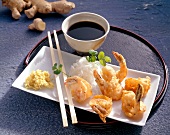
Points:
x=86, y=30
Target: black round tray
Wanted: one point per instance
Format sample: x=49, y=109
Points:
x=139, y=53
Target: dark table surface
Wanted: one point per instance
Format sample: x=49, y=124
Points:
x=26, y=114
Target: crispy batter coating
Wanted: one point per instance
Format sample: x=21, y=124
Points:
x=102, y=105
x=122, y=73
x=131, y=102
x=111, y=88
x=110, y=80
x=80, y=88
x=132, y=84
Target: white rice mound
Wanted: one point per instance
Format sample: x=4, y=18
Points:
x=84, y=69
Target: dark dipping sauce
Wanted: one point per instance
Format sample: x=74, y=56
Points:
x=86, y=31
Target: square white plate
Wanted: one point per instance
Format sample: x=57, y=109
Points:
x=43, y=61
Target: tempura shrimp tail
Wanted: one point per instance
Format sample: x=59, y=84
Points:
x=101, y=111
x=102, y=105
x=122, y=73
x=139, y=93
x=99, y=80
x=140, y=107
x=138, y=99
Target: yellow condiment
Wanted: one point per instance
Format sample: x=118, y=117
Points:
x=38, y=79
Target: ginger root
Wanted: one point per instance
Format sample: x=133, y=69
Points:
x=44, y=7
x=37, y=24
x=40, y=6
x=37, y=6
x=62, y=7
x=16, y=6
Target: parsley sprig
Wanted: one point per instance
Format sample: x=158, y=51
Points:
x=57, y=69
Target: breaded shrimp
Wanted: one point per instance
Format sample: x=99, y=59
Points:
x=110, y=88
x=102, y=105
x=108, y=73
x=132, y=84
x=109, y=80
x=132, y=105
x=122, y=73
x=80, y=88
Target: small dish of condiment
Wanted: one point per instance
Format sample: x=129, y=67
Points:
x=85, y=31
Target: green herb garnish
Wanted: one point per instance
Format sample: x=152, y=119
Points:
x=95, y=56
x=57, y=69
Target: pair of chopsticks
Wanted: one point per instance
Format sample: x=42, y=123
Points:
x=60, y=94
